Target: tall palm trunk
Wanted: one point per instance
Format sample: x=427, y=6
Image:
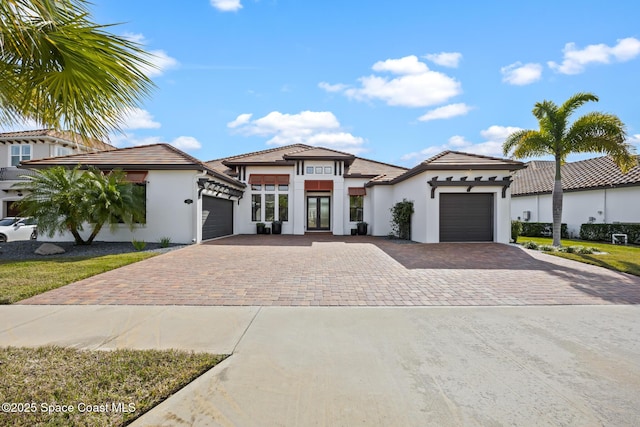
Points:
x=556, y=204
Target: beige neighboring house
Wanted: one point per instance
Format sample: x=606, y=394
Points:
x=18, y=147
x=595, y=191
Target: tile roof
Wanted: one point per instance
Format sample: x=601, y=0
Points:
x=358, y=166
x=373, y=169
x=72, y=137
x=149, y=157
x=456, y=160
x=538, y=176
x=459, y=160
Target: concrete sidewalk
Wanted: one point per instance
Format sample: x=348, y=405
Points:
x=103, y=327
x=376, y=366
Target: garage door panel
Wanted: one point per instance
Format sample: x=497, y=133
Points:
x=466, y=217
x=217, y=217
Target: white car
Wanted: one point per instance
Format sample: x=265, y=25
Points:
x=15, y=228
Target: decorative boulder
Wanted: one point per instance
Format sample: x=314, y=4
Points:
x=49, y=249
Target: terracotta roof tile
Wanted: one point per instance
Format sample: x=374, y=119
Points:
x=538, y=176
x=72, y=137
x=149, y=157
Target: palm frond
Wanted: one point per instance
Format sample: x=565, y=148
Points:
x=602, y=133
x=64, y=71
x=527, y=143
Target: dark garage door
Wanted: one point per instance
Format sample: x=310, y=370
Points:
x=217, y=217
x=466, y=217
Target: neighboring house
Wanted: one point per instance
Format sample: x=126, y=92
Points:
x=456, y=196
x=595, y=191
x=186, y=200
x=17, y=147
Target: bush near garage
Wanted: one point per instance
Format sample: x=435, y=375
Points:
x=603, y=232
x=536, y=229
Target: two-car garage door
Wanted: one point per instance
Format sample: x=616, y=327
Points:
x=217, y=217
x=466, y=217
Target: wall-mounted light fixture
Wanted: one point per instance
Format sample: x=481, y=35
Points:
x=188, y=201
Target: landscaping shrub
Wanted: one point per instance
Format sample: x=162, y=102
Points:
x=536, y=229
x=530, y=245
x=401, y=219
x=547, y=248
x=516, y=230
x=603, y=232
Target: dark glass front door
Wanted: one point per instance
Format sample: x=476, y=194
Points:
x=318, y=213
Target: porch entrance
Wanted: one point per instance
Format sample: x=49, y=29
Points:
x=318, y=212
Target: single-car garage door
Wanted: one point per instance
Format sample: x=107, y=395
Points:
x=466, y=217
x=217, y=217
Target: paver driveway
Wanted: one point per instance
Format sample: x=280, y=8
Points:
x=349, y=271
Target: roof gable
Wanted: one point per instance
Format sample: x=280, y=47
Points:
x=448, y=160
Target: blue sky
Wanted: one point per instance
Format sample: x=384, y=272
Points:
x=396, y=81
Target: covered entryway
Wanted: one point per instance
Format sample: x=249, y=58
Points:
x=217, y=217
x=466, y=217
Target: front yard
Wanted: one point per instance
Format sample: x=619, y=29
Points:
x=24, y=279
x=625, y=258
x=58, y=386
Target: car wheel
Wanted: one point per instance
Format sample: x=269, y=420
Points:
x=34, y=234
x=3, y=238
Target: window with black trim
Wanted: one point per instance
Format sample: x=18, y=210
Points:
x=356, y=208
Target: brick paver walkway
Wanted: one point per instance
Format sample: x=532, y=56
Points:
x=350, y=271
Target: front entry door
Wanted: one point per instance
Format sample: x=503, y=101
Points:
x=318, y=212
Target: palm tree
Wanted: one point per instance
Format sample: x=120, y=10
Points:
x=64, y=200
x=62, y=70
x=591, y=133
x=56, y=198
x=114, y=201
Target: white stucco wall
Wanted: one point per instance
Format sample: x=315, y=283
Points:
x=380, y=197
x=425, y=224
x=167, y=214
x=367, y=206
x=578, y=207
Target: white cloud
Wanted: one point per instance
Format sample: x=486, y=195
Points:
x=159, y=59
x=227, y=5
x=414, y=86
x=445, y=59
x=332, y=88
x=575, y=60
x=317, y=128
x=634, y=140
x=242, y=119
x=446, y=112
x=407, y=65
x=137, y=118
x=521, y=74
x=492, y=146
x=186, y=143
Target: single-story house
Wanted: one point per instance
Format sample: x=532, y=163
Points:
x=595, y=191
x=17, y=147
x=456, y=196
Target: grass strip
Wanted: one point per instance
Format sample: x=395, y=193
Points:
x=60, y=386
x=24, y=279
x=624, y=258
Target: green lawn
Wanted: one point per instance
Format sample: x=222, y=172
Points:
x=24, y=279
x=617, y=257
x=63, y=387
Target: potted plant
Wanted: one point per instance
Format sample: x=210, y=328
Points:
x=362, y=228
x=276, y=227
x=260, y=228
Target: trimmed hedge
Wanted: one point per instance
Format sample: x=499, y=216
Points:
x=603, y=232
x=536, y=229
